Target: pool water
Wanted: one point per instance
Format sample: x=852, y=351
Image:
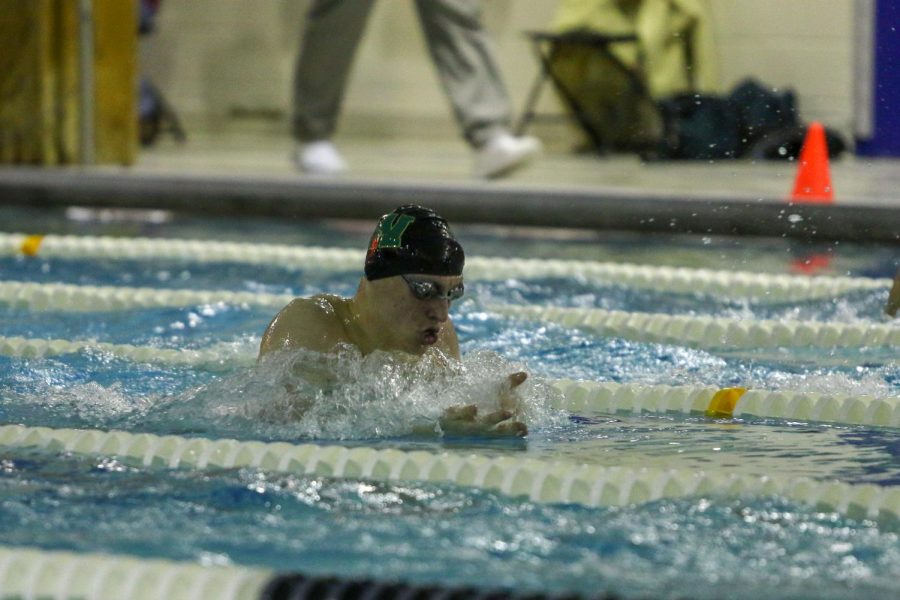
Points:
x=706, y=546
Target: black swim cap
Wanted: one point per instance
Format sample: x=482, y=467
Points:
x=413, y=240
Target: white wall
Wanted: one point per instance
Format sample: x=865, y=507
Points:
x=807, y=45
x=211, y=56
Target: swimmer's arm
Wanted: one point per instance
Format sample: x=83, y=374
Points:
x=466, y=420
x=894, y=299
x=304, y=323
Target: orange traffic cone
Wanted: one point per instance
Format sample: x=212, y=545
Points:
x=812, y=264
x=813, y=183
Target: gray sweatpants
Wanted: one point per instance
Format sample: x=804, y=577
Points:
x=458, y=45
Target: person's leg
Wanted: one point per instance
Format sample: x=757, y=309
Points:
x=333, y=30
x=465, y=63
x=462, y=54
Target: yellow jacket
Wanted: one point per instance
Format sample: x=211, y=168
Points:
x=675, y=50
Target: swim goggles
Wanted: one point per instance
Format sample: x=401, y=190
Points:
x=429, y=290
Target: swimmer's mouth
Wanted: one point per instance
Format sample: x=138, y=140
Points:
x=430, y=336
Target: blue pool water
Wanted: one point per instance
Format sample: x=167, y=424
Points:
x=707, y=548
x=701, y=547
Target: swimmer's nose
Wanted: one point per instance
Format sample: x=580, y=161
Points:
x=438, y=310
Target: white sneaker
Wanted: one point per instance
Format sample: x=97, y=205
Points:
x=320, y=158
x=503, y=153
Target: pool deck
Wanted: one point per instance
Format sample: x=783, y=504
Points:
x=244, y=170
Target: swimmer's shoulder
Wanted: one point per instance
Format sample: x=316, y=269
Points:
x=315, y=323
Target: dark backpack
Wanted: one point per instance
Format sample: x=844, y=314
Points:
x=697, y=126
x=770, y=126
x=753, y=121
x=761, y=111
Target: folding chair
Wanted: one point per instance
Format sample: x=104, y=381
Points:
x=546, y=47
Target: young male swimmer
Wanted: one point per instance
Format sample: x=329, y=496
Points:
x=413, y=272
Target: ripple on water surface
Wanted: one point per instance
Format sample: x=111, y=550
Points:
x=693, y=547
x=382, y=401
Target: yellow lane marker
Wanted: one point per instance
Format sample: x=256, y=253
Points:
x=31, y=245
x=723, y=402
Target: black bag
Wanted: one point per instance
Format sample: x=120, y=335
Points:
x=753, y=121
x=770, y=125
x=784, y=144
x=697, y=126
x=761, y=111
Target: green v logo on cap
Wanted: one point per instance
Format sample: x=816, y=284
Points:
x=390, y=231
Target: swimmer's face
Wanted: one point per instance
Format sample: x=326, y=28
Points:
x=415, y=309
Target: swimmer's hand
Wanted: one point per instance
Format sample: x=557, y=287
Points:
x=509, y=395
x=893, y=304
x=464, y=420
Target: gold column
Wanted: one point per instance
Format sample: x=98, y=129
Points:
x=39, y=75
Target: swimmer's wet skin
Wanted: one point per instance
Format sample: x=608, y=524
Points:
x=893, y=304
x=413, y=272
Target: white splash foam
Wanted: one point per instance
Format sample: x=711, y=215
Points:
x=345, y=395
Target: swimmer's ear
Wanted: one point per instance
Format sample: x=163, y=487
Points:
x=516, y=379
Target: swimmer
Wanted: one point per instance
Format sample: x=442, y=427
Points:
x=894, y=298
x=413, y=272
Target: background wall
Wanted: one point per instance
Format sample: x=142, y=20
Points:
x=218, y=58
x=807, y=45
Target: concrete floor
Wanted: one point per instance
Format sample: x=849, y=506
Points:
x=261, y=150
x=244, y=167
